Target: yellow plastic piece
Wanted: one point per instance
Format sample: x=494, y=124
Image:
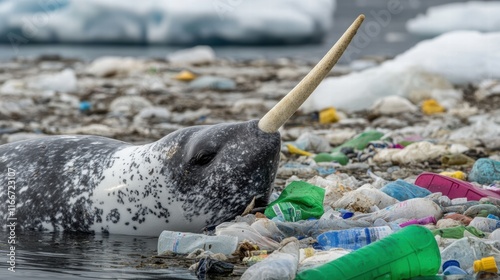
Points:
x=309, y=252
x=328, y=116
x=487, y=264
x=431, y=107
x=185, y=76
x=455, y=174
x=294, y=150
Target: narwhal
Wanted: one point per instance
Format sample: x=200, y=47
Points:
x=191, y=178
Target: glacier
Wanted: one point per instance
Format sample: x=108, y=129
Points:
x=186, y=22
x=460, y=57
x=474, y=15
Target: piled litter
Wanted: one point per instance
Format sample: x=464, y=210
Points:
x=408, y=188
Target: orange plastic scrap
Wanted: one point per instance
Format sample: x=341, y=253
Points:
x=328, y=115
x=431, y=107
x=185, y=76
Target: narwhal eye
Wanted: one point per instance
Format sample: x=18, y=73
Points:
x=203, y=157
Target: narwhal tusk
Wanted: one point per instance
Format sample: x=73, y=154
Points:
x=282, y=111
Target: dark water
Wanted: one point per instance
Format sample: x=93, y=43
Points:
x=63, y=256
x=388, y=39
x=82, y=256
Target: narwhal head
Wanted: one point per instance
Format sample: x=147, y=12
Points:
x=213, y=172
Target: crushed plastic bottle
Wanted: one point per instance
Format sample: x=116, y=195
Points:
x=313, y=228
x=352, y=239
x=243, y=231
x=281, y=264
x=485, y=224
x=414, y=208
x=363, y=199
x=402, y=190
x=485, y=171
x=468, y=249
x=185, y=243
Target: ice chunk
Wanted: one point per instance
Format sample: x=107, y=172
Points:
x=461, y=57
x=188, y=22
x=473, y=15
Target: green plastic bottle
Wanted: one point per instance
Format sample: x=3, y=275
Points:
x=409, y=252
x=337, y=157
x=360, y=141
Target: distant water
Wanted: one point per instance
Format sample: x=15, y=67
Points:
x=383, y=39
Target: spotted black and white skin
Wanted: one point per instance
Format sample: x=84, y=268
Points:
x=192, y=178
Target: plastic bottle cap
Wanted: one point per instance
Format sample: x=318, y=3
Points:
x=449, y=263
x=487, y=264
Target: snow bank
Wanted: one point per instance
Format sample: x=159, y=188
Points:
x=166, y=22
x=460, y=57
x=474, y=15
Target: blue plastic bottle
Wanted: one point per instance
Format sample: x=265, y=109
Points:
x=353, y=238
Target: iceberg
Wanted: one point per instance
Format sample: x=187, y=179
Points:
x=460, y=57
x=474, y=15
x=186, y=22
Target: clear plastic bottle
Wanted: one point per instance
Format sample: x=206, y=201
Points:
x=185, y=243
x=353, y=239
x=282, y=264
x=485, y=224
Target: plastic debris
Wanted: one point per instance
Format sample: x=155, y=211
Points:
x=458, y=232
x=352, y=239
x=451, y=187
x=414, y=208
x=361, y=141
x=296, y=151
x=333, y=157
x=422, y=221
x=468, y=249
x=457, y=159
x=485, y=171
x=402, y=190
x=243, y=231
x=328, y=115
x=407, y=253
x=452, y=267
x=212, y=82
x=281, y=264
x=298, y=201
x=455, y=174
x=185, y=242
x=431, y=107
x=195, y=55
x=392, y=105
x=363, y=199
x=487, y=264
x=210, y=267
x=485, y=224
x=185, y=76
